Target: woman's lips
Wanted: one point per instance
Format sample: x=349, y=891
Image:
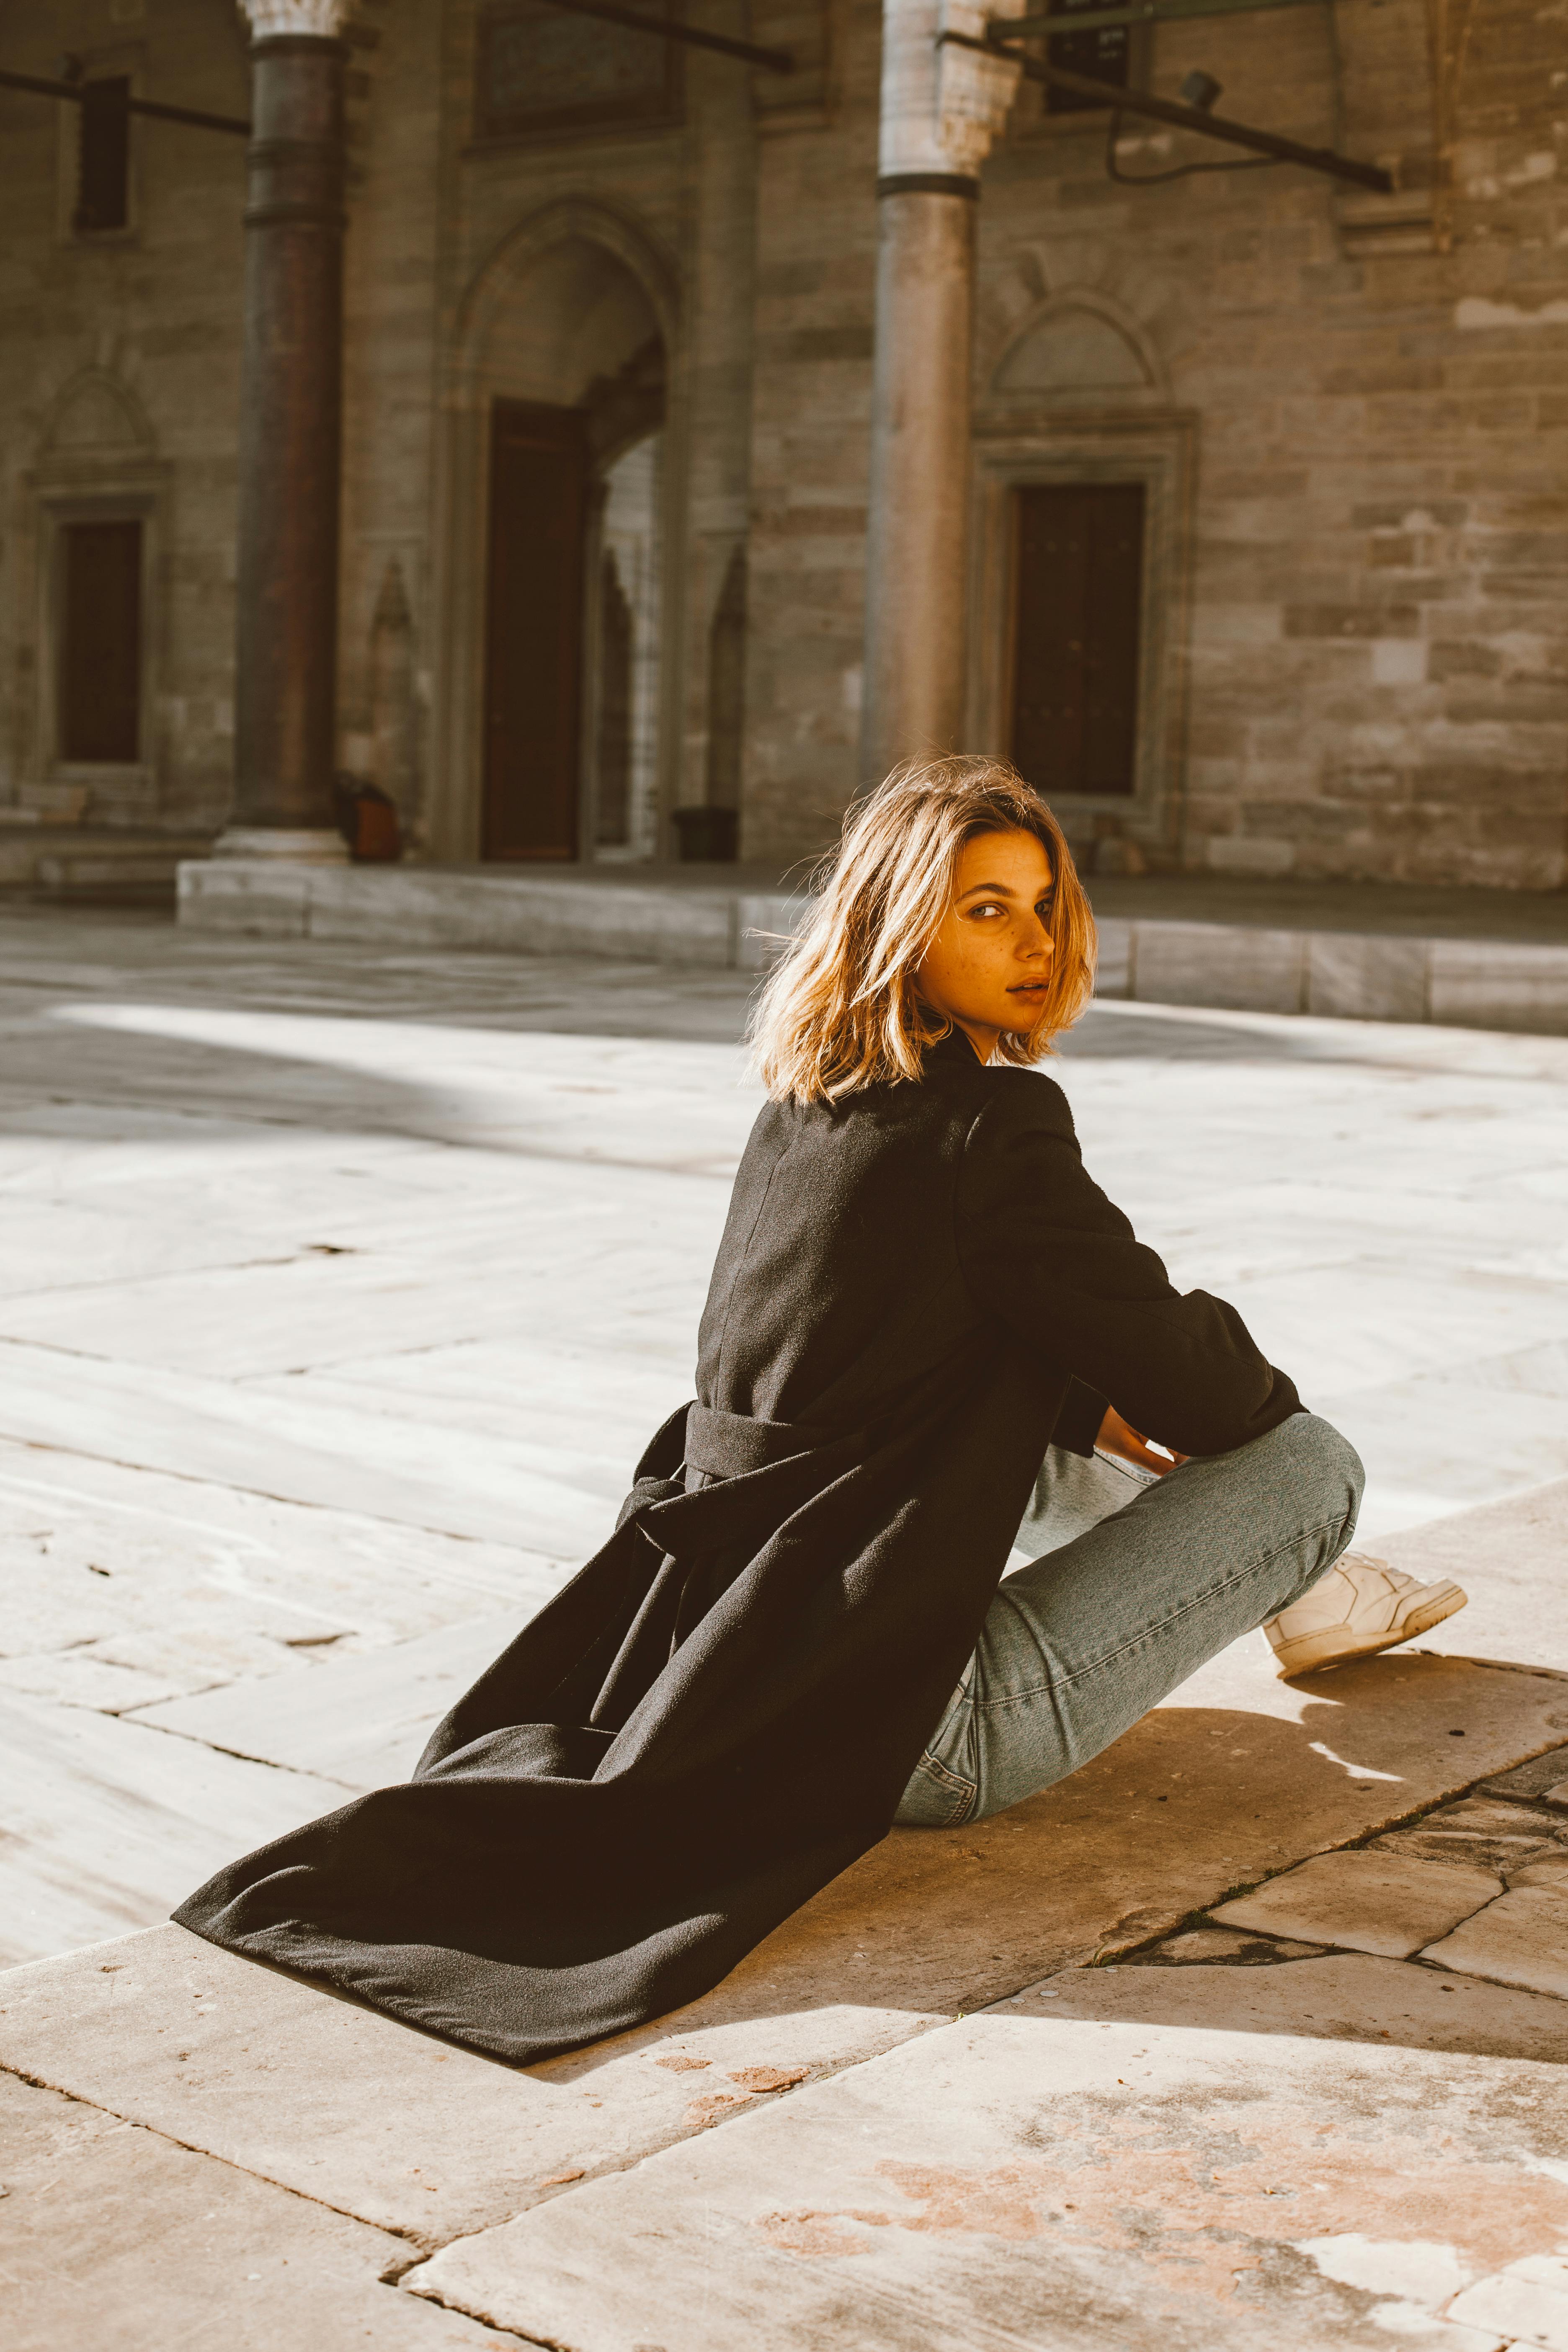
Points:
x=1029, y=988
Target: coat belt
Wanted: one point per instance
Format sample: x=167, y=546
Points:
x=732, y=1445
x=762, y=1471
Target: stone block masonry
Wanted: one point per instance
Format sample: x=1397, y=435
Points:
x=1346, y=411
x=119, y=393
x=1368, y=583
x=1376, y=673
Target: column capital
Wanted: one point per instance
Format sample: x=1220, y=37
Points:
x=316, y=19
x=942, y=106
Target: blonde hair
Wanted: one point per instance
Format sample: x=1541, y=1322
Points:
x=842, y=1008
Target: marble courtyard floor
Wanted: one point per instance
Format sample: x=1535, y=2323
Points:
x=339, y=1289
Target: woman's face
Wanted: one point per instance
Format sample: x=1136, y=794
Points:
x=989, y=965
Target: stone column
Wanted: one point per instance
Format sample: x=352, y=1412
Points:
x=942, y=107
x=289, y=438
x=723, y=307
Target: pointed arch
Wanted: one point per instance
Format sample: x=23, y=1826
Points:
x=503, y=276
x=578, y=305
x=1080, y=345
x=93, y=412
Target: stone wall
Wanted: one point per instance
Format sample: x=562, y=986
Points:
x=1351, y=409
x=1367, y=668
x=119, y=380
x=1379, y=675
x=817, y=256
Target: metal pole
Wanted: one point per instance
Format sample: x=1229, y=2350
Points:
x=82, y=93
x=1186, y=118
x=1146, y=12
x=770, y=60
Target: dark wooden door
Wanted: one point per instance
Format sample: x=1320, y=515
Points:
x=100, y=678
x=1077, y=595
x=533, y=631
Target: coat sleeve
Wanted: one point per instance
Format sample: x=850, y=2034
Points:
x=1044, y=1249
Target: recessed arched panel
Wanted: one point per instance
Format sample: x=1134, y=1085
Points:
x=570, y=328
x=572, y=321
x=573, y=247
x=1075, y=353
x=568, y=359
x=96, y=412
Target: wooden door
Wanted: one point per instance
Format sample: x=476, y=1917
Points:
x=533, y=631
x=1077, y=597
x=99, y=674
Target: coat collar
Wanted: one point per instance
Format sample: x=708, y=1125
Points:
x=953, y=1051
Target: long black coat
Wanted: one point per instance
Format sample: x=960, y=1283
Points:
x=914, y=1292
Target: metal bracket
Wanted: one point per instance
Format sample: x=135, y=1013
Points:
x=1146, y=12
x=1184, y=118
x=87, y=93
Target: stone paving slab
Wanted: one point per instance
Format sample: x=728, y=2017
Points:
x=401, y=1135
x=1508, y=1557
x=1204, y=1794
x=360, y=1721
x=1339, y=1997
x=391, y=2125
x=373, y=1463
x=100, y=1815
x=194, y=1582
x=675, y=1103
x=1487, y=1834
x=1365, y=1902
x=248, y=1321
x=125, y=1587
x=1519, y=1939
x=226, y=1078
x=1049, y=2180
x=1527, y=2302
x=116, y=2239
x=1534, y=1780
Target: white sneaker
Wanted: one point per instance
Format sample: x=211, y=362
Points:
x=1360, y=1607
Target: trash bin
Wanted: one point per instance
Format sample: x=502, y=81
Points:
x=367, y=819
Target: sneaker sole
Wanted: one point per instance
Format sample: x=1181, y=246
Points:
x=1312, y=1654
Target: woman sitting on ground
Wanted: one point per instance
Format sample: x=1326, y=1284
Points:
x=930, y=1339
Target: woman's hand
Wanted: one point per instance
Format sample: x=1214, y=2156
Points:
x=1125, y=1444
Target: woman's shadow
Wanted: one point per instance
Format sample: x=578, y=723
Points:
x=1191, y=1806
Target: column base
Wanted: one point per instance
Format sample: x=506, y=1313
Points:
x=314, y=845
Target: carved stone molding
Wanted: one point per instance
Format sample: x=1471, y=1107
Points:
x=320, y=19
x=942, y=106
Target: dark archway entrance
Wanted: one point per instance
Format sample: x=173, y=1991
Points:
x=534, y=634
x=571, y=675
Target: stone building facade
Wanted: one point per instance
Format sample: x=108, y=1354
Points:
x=610, y=355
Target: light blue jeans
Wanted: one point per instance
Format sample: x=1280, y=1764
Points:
x=1139, y=1581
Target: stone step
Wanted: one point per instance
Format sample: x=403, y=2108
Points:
x=718, y=924
x=725, y=919
x=93, y=864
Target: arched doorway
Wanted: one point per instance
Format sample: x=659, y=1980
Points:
x=573, y=378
